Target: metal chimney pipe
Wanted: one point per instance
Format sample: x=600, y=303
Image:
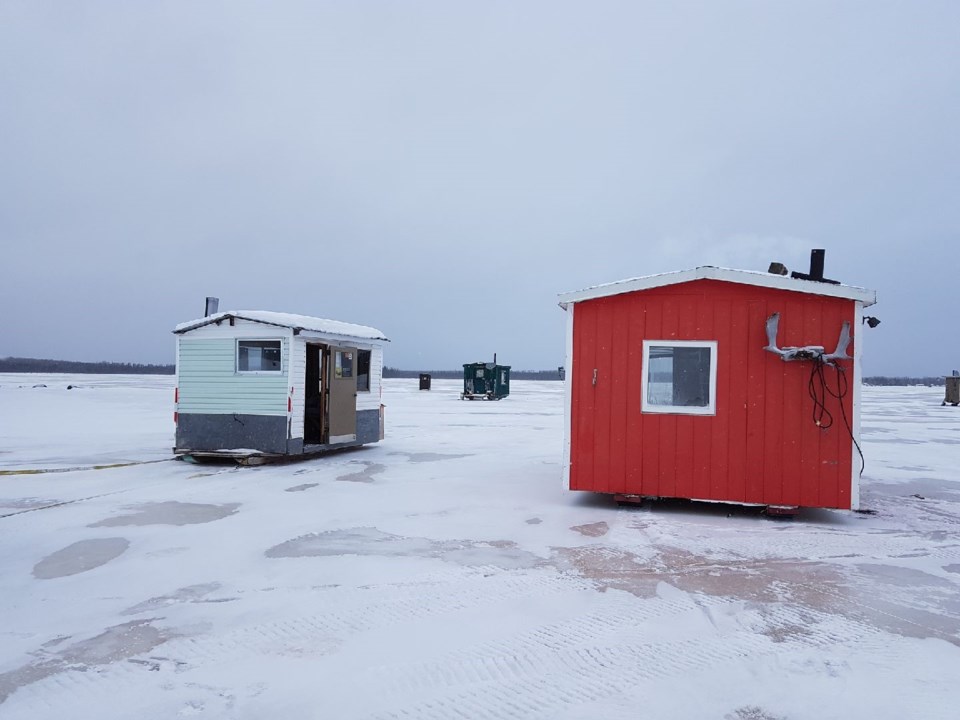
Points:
x=816, y=264
x=211, y=307
x=816, y=269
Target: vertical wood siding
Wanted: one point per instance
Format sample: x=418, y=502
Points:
x=762, y=445
x=209, y=383
x=297, y=383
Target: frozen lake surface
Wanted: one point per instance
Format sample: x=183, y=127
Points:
x=445, y=573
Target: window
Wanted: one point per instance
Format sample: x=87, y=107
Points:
x=259, y=356
x=679, y=377
x=363, y=370
x=343, y=364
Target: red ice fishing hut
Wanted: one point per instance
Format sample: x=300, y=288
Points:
x=719, y=385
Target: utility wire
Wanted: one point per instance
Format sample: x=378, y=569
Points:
x=819, y=389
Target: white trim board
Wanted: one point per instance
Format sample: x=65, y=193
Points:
x=708, y=272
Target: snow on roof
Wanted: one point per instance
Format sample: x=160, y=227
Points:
x=709, y=272
x=288, y=320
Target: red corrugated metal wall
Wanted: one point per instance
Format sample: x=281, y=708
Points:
x=762, y=446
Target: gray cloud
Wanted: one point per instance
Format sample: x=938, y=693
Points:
x=441, y=170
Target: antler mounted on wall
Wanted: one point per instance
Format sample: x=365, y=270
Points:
x=807, y=352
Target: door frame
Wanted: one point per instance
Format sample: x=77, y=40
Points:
x=323, y=353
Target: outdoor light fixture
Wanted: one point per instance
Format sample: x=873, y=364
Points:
x=871, y=320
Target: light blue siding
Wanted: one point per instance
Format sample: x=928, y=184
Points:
x=208, y=381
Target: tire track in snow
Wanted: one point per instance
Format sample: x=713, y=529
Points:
x=947, y=553
x=347, y=615
x=539, y=673
x=582, y=660
x=527, y=686
x=552, y=668
x=553, y=682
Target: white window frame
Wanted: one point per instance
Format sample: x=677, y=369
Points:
x=709, y=409
x=236, y=356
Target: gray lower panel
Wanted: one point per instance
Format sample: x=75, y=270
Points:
x=265, y=433
x=368, y=426
x=205, y=433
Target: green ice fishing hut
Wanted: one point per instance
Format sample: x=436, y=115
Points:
x=487, y=381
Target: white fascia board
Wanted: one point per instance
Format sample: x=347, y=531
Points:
x=707, y=272
x=286, y=320
x=343, y=340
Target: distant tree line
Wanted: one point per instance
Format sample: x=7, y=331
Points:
x=928, y=381
x=33, y=365
x=389, y=372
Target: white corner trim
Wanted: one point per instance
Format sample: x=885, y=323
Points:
x=855, y=420
x=568, y=397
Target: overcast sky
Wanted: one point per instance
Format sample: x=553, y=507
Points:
x=442, y=170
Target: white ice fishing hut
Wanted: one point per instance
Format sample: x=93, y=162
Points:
x=260, y=382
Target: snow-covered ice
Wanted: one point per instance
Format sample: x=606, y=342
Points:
x=445, y=573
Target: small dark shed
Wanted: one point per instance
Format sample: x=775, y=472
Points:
x=487, y=381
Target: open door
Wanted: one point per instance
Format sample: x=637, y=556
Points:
x=342, y=395
x=314, y=398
